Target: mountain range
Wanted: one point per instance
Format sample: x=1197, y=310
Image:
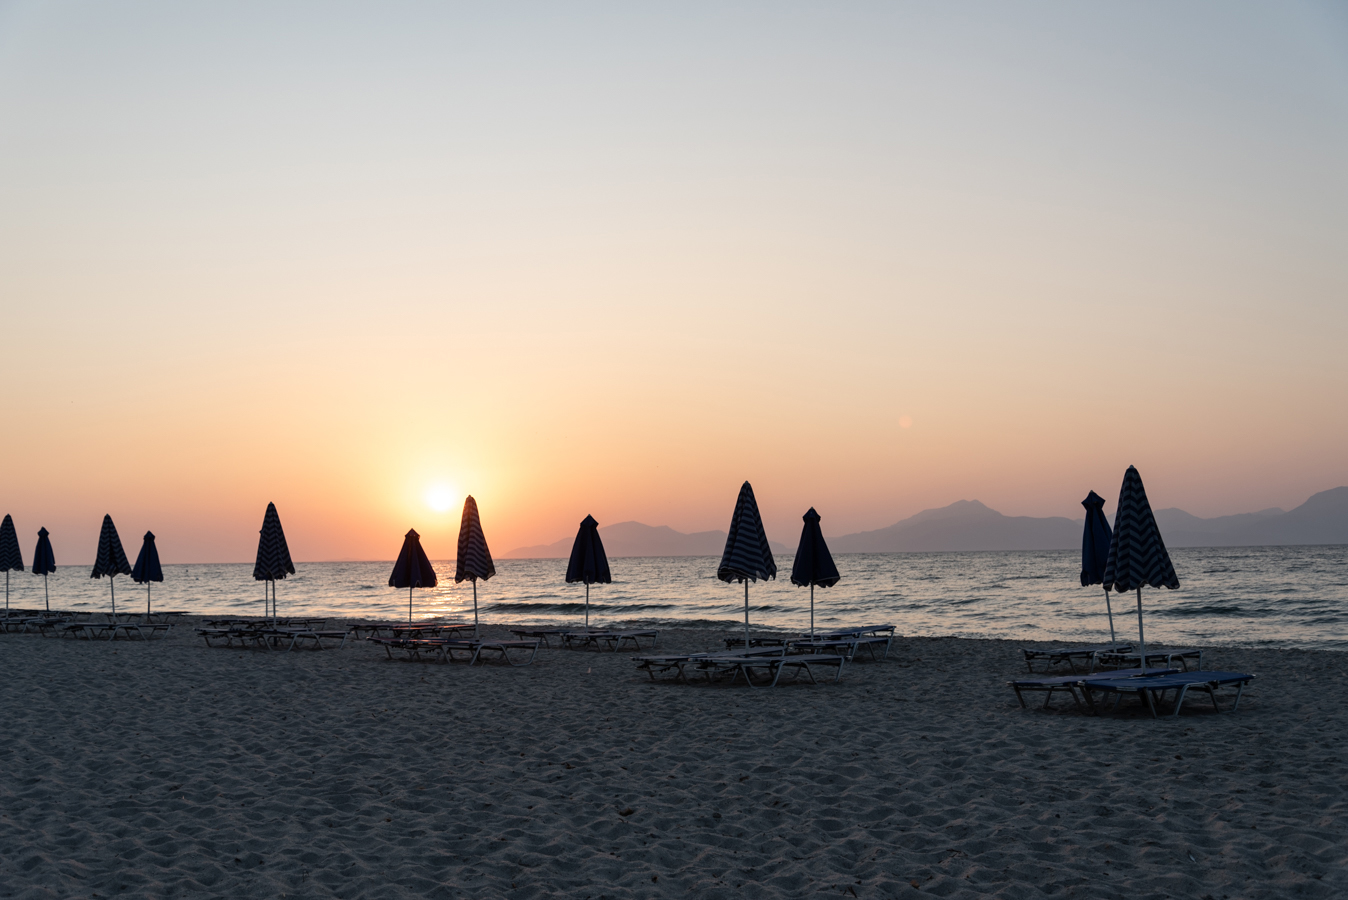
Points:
x=970, y=525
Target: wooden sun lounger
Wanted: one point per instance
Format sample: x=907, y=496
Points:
x=1049, y=684
x=613, y=640
x=1169, y=659
x=1152, y=688
x=1053, y=656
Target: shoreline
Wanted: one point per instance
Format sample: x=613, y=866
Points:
x=163, y=768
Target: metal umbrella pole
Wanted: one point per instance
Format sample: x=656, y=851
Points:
x=587, y=607
x=475, y=634
x=1141, y=638
x=1111, y=616
x=746, y=614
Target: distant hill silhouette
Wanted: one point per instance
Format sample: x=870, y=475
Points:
x=964, y=525
x=636, y=539
x=969, y=525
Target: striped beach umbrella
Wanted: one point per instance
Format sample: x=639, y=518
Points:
x=813, y=564
x=11, y=557
x=588, y=561
x=413, y=569
x=1137, y=555
x=147, y=567
x=273, y=557
x=44, y=562
x=1095, y=549
x=474, y=560
x=111, y=559
x=747, y=556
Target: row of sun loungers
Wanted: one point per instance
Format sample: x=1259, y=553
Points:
x=265, y=636
x=583, y=640
x=449, y=650
x=768, y=656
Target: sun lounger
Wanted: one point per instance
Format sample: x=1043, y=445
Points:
x=847, y=646
x=232, y=637
x=113, y=630
x=756, y=640
x=298, y=637
x=852, y=631
x=1152, y=689
x=450, y=649
x=773, y=665
x=675, y=662
x=1170, y=659
x=1049, y=684
x=1053, y=656
x=540, y=634
x=612, y=640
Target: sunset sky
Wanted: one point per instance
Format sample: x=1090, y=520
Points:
x=363, y=259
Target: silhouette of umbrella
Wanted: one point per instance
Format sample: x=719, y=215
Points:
x=147, y=567
x=413, y=569
x=44, y=562
x=1095, y=549
x=111, y=559
x=10, y=555
x=1137, y=555
x=273, y=557
x=813, y=564
x=588, y=561
x=747, y=556
x=474, y=560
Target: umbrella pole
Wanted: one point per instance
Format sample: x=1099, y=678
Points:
x=147, y=600
x=112, y=586
x=1141, y=638
x=46, y=596
x=811, y=610
x=409, y=604
x=475, y=634
x=746, y=614
x=587, y=607
x=1111, y=616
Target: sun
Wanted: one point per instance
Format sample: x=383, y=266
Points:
x=441, y=497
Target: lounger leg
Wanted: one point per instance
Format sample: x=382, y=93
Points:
x=1179, y=700
x=1151, y=702
x=1240, y=689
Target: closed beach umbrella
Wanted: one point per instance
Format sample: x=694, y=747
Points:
x=1137, y=555
x=413, y=569
x=747, y=556
x=44, y=562
x=10, y=555
x=273, y=557
x=111, y=559
x=1095, y=549
x=814, y=564
x=474, y=560
x=588, y=561
x=147, y=567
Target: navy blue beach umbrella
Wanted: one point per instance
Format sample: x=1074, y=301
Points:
x=147, y=567
x=474, y=560
x=111, y=558
x=413, y=569
x=11, y=558
x=1137, y=555
x=44, y=562
x=814, y=564
x=273, y=556
x=747, y=556
x=588, y=561
x=1095, y=549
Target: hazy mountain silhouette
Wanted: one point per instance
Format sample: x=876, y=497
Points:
x=964, y=525
x=636, y=539
x=969, y=525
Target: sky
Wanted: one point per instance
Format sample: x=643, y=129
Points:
x=614, y=259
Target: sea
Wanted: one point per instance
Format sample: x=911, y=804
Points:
x=1285, y=597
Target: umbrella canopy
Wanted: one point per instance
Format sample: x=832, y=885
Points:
x=1137, y=555
x=111, y=558
x=147, y=567
x=44, y=562
x=588, y=562
x=1095, y=549
x=814, y=564
x=474, y=560
x=10, y=555
x=413, y=568
x=273, y=555
x=747, y=556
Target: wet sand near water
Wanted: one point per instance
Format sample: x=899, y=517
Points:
x=163, y=769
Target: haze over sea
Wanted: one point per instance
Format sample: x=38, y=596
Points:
x=1237, y=597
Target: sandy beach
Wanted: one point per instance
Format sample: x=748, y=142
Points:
x=165, y=769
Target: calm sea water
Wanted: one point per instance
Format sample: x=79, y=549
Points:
x=1248, y=597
